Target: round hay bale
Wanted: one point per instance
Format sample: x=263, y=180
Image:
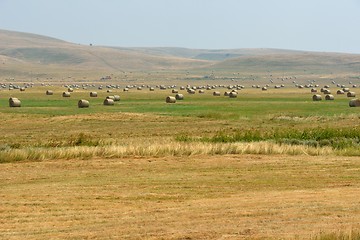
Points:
x=139, y=88
x=22, y=89
x=179, y=96
x=226, y=93
x=191, y=91
x=354, y=103
x=216, y=93
x=346, y=89
x=350, y=94
x=49, y=92
x=326, y=91
x=66, y=94
x=174, y=91
x=317, y=97
x=93, y=94
x=70, y=90
x=201, y=91
x=14, y=102
x=313, y=90
x=233, y=95
x=264, y=88
x=110, y=97
x=170, y=99
x=126, y=89
x=83, y=103
x=116, y=98
x=329, y=97
x=339, y=92
x=182, y=88
x=108, y=102
x=109, y=91
x=152, y=89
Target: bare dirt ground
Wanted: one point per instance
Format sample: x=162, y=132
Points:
x=199, y=197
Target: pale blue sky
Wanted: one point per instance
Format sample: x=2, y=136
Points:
x=313, y=25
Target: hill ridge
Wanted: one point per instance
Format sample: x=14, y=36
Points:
x=22, y=53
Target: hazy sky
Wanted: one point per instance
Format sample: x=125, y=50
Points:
x=314, y=25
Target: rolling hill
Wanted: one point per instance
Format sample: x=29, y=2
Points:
x=26, y=54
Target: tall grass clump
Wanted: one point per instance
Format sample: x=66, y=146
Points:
x=337, y=138
x=80, y=139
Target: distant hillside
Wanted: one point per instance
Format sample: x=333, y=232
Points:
x=294, y=62
x=210, y=54
x=26, y=54
x=36, y=50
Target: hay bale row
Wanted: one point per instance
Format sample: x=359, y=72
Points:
x=115, y=98
x=318, y=97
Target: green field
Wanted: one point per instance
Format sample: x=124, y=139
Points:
x=142, y=114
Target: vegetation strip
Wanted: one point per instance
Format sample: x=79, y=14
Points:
x=337, y=138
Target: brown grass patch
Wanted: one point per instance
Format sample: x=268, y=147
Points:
x=198, y=197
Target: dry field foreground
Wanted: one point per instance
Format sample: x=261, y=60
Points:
x=198, y=197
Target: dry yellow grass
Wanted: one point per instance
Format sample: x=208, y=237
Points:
x=198, y=197
x=155, y=148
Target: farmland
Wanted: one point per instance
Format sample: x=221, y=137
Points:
x=268, y=164
x=147, y=169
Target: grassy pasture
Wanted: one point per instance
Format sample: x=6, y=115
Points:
x=121, y=172
x=142, y=114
